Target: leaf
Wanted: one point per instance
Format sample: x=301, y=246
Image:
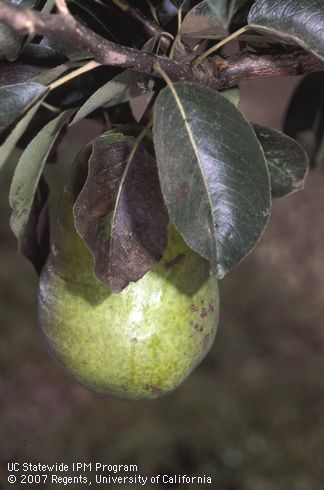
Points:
x=120, y=211
x=11, y=141
x=107, y=20
x=224, y=9
x=35, y=243
x=18, y=72
x=299, y=22
x=48, y=6
x=33, y=4
x=232, y=94
x=259, y=40
x=202, y=22
x=27, y=176
x=118, y=90
x=286, y=159
x=213, y=173
x=304, y=119
x=11, y=43
x=16, y=99
x=52, y=74
x=41, y=56
x=100, y=20
x=33, y=61
x=68, y=50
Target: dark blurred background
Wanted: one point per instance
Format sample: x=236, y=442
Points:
x=251, y=415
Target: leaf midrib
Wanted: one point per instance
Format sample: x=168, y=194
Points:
x=195, y=148
x=130, y=159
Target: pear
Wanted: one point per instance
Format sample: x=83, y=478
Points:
x=140, y=343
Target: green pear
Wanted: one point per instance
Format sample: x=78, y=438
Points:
x=140, y=343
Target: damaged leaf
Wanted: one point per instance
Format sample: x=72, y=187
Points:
x=35, y=242
x=202, y=22
x=120, y=211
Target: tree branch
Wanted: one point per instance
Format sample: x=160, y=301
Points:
x=216, y=72
x=230, y=71
x=69, y=30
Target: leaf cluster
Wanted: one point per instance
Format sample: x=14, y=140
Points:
x=191, y=157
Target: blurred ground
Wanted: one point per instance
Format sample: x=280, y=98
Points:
x=251, y=416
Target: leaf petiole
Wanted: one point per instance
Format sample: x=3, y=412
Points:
x=165, y=77
x=79, y=71
x=51, y=107
x=221, y=43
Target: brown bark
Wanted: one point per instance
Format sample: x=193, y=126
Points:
x=216, y=72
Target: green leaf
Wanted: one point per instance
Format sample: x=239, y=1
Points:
x=225, y=9
x=202, y=22
x=232, y=94
x=9, y=144
x=27, y=176
x=120, y=211
x=119, y=89
x=52, y=74
x=11, y=43
x=304, y=120
x=48, y=6
x=299, y=22
x=213, y=173
x=16, y=99
x=286, y=159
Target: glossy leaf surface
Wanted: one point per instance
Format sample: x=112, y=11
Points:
x=10, y=142
x=300, y=22
x=15, y=99
x=213, y=173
